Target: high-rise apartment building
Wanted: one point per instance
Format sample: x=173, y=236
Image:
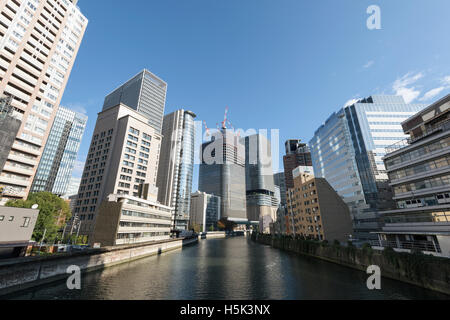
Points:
x=260, y=189
x=39, y=40
x=60, y=153
x=347, y=151
x=297, y=154
x=176, y=165
x=205, y=211
x=318, y=211
x=222, y=173
x=144, y=93
x=419, y=173
x=9, y=126
x=123, y=155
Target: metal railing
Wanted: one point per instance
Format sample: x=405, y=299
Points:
x=443, y=126
x=430, y=246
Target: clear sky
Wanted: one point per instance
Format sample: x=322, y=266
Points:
x=277, y=64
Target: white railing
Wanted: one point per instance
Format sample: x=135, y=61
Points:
x=408, y=245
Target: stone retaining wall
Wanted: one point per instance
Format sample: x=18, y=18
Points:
x=418, y=269
x=22, y=273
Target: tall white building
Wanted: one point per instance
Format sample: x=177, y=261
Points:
x=39, y=41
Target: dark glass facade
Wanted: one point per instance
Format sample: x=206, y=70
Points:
x=225, y=175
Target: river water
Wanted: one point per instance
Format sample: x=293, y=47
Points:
x=232, y=268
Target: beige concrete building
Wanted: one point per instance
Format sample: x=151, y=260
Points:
x=205, y=211
x=16, y=229
x=124, y=153
x=318, y=211
x=39, y=41
x=124, y=219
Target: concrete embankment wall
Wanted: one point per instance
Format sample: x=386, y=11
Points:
x=418, y=269
x=22, y=273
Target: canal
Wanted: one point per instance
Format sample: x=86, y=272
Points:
x=232, y=268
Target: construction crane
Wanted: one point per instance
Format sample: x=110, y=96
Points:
x=207, y=129
x=225, y=122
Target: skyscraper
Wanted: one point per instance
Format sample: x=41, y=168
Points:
x=123, y=155
x=39, y=41
x=280, y=181
x=144, y=93
x=60, y=153
x=9, y=126
x=297, y=154
x=222, y=173
x=260, y=189
x=347, y=151
x=176, y=165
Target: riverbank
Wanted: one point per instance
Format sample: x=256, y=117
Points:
x=22, y=273
x=418, y=269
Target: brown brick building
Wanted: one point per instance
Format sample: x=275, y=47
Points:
x=318, y=211
x=297, y=154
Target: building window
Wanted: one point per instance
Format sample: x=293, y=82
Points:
x=11, y=218
x=2, y=218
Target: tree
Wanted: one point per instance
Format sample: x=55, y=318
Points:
x=225, y=224
x=53, y=213
x=197, y=228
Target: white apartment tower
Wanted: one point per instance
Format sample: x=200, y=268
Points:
x=39, y=41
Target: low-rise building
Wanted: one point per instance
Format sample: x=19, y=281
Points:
x=205, y=211
x=16, y=229
x=318, y=211
x=124, y=219
x=419, y=174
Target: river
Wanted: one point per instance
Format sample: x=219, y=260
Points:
x=232, y=268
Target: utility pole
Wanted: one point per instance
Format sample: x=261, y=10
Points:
x=42, y=240
x=78, y=232
x=64, y=231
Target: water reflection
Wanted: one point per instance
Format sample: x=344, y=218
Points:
x=234, y=268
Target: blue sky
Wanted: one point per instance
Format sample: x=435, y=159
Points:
x=277, y=64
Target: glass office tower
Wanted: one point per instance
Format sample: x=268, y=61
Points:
x=348, y=148
x=176, y=165
x=222, y=173
x=260, y=188
x=60, y=153
x=145, y=93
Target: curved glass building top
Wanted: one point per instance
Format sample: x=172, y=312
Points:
x=176, y=164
